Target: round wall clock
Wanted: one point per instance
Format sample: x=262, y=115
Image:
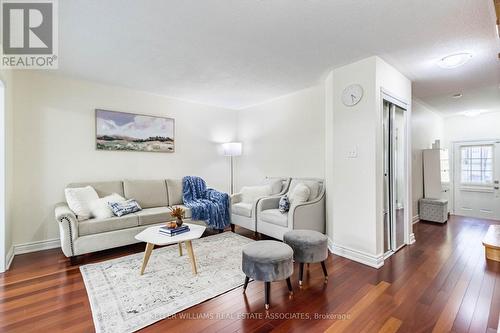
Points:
x=352, y=95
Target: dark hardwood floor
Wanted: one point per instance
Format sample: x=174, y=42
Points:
x=441, y=283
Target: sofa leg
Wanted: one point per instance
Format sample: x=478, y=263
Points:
x=232, y=227
x=73, y=260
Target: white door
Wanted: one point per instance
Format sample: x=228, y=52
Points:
x=476, y=179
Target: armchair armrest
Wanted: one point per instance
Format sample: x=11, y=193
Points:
x=268, y=203
x=309, y=215
x=235, y=198
x=68, y=228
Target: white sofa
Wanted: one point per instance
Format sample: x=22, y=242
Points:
x=308, y=215
x=154, y=196
x=244, y=214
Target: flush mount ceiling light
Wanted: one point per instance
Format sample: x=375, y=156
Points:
x=474, y=113
x=455, y=60
x=456, y=96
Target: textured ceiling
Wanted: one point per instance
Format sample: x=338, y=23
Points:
x=239, y=53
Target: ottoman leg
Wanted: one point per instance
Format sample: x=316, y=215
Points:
x=301, y=272
x=324, y=271
x=289, y=284
x=246, y=284
x=267, y=294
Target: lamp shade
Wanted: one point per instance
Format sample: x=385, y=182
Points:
x=232, y=148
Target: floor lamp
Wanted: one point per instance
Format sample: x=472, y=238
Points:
x=232, y=149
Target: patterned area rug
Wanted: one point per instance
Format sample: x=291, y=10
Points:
x=123, y=301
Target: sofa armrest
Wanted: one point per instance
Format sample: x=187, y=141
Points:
x=268, y=203
x=309, y=215
x=68, y=228
x=235, y=198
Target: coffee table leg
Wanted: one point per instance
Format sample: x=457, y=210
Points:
x=147, y=254
x=189, y=247
x=180, y=249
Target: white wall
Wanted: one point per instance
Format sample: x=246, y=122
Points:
x=55, y=144
x=351, y=182
x=355, y=185
x=283, y=137
x=461, y=128
x=6, y=232
x=427, y=126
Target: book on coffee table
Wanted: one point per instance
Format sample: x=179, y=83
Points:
x=173, y=231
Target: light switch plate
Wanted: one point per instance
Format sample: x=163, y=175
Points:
x=353, y=153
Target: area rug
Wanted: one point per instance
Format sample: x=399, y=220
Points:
x=124, y=301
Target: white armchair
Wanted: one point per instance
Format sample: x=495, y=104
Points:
x=307, y=215
x=244, y=213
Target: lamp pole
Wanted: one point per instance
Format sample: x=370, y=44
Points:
x=232, y=175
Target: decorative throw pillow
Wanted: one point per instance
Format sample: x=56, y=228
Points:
x=284, y=205
x=299, y=194
x=99, y=208
x=124, y=207
x=79, y=199
x=314, y=187
x=250, y=194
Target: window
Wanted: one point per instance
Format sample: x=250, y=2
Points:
x=445, y=166
x=477, y=165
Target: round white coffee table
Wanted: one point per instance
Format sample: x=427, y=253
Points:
x=152, y=237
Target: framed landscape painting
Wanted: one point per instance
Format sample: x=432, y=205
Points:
x=134, y=132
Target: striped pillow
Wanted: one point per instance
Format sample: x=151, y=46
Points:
x=124, y=207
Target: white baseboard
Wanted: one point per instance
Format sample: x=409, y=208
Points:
x=9, y=257
x=416, y=219
x=358, y=256
x=412, y=238
x=37, y=246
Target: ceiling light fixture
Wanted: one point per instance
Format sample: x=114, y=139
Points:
x=472, y=113
x=455, y=60
x=456, y=96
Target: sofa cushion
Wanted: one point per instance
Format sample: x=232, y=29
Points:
x=274, y=216
x=103, y=188
x=250, y=194
x=154, y=215
x=148, y=193
x=242, y=209
x=97, y=226
x=174, y=188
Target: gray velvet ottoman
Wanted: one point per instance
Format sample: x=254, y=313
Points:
x=268, y=261
x=308, y=246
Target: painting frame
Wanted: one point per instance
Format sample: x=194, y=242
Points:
x=169, y=142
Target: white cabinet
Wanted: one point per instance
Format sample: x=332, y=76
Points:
x=436, y=174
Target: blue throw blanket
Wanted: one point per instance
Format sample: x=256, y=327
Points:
x=206, y=204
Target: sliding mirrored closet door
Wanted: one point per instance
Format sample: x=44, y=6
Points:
x=394, y=141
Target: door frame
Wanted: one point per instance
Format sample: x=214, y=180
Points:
x=386, y=95
x=451, y=152
x=3, y=194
